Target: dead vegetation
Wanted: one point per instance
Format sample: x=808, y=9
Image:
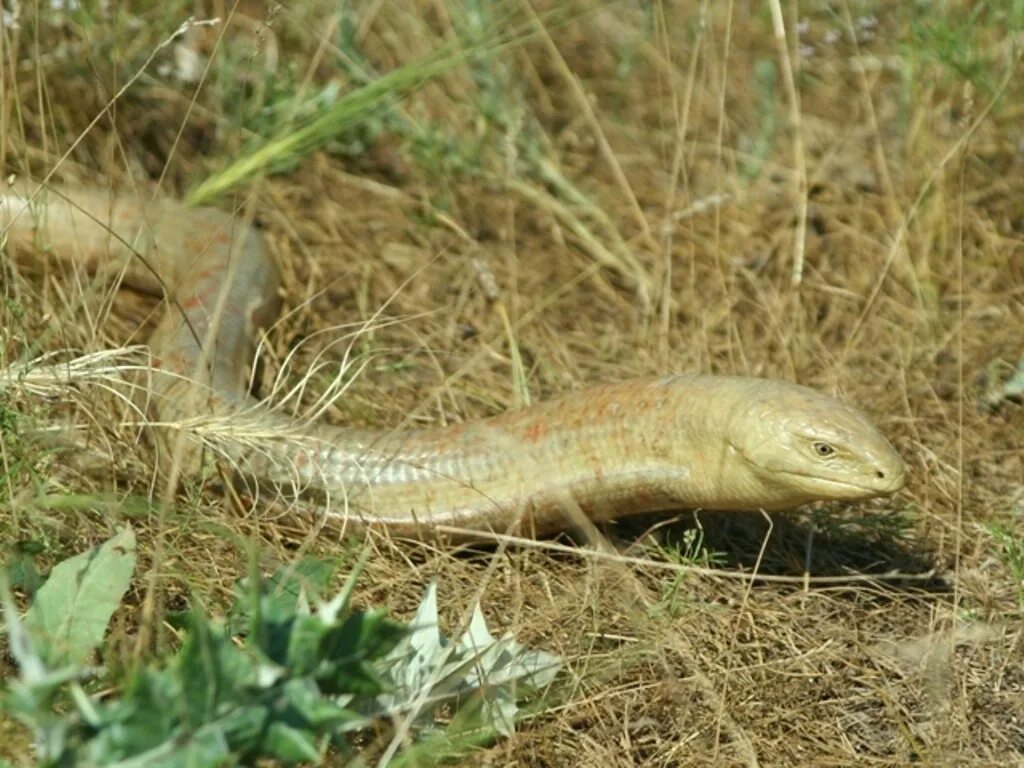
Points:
x=626, y=174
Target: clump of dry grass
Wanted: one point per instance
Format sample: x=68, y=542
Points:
x=627, y=177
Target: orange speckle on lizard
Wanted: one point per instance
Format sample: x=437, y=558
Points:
x=535, y=432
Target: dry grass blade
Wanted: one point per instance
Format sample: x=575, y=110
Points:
x=693, y=161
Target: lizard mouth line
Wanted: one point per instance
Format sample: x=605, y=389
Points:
x=880, y=487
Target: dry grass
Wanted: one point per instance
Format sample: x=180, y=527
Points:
x=627, y=176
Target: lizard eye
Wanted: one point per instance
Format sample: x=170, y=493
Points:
x=823, y=449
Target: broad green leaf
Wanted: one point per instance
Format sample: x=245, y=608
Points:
x=318, y=711
x=349, y=649
x=207, y=749
x=332, y=610
x=291, y=744
x=72, y=609
x=21, y=566
x=197, y=672
x=211, y=669
x=144, y=718
x=304, y=643
x=273, y=638
x=242, y=728
x=1015, y=386
x=309, y=576
x=280, y=601
x=20, y=644
x=277, y=598
x=480, y=675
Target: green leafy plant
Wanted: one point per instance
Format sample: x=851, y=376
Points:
x=1011, y=548
x=73, y=607
x=287, y=676
x=688, y=549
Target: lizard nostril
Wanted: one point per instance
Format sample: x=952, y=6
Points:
x=880, y=474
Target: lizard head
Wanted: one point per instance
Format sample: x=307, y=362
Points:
x=804, y=446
